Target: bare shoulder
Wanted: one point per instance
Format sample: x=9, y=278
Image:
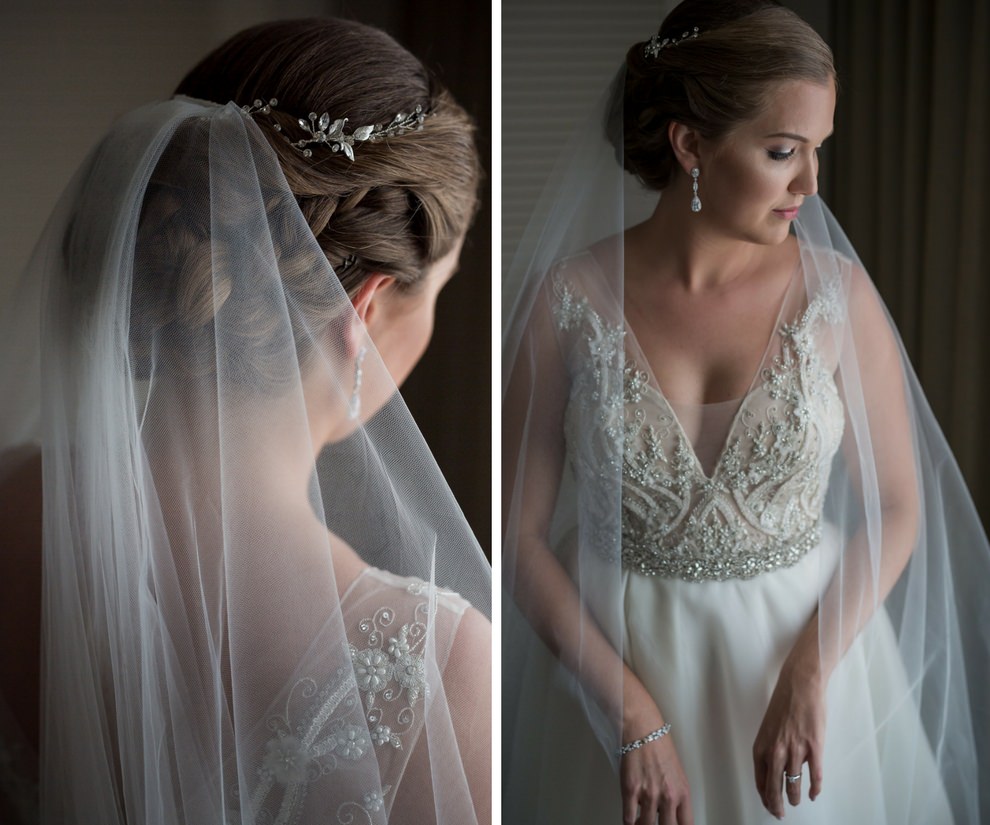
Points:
x=467, y=682
x=873, y=329
x=583, y=269
x=471, y=652
x=608, y=253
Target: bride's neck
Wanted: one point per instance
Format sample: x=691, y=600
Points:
x=260, y=472
x=692, y=250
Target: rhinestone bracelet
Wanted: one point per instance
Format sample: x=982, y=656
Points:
x=659, y=733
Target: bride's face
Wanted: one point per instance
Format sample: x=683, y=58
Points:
x=754, y=180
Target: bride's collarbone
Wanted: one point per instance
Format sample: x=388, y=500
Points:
x=707, y=361
x=706, y=348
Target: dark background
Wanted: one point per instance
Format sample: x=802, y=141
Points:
x=70, y=69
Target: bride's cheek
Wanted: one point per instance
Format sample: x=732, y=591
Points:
x=413, y=333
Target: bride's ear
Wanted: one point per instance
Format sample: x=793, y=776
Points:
x=685, y=142
x=367, y=303
x=367, y=300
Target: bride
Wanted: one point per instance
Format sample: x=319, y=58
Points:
x=254, y=597
x=738, y=550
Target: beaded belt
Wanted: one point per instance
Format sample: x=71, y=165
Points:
x=744, y=563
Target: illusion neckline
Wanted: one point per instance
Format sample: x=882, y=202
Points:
x=707, y=404
x=654, y=385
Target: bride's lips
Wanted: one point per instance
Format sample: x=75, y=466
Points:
x=789, y=213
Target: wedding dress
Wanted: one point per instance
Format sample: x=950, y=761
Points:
x=692, y=545
x=723, y=547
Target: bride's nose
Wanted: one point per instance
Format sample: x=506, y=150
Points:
x=806, y=181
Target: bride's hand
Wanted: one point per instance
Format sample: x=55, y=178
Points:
x=792, y=733
x=653, y=781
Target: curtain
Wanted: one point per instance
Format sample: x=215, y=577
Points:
x=912, y=190
x=72, y=69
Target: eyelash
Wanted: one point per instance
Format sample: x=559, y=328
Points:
x=781, y=155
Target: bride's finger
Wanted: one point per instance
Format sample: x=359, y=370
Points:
x=773, y=798
x=760, y=769
x=815, y=772
x=648, y=811
x=792, y=785
x=629, y=807
x=684, y=814
x=668, y=812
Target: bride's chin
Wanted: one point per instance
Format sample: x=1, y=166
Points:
x=775, y=235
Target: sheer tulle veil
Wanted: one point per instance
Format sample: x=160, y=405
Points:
x=212, y=652
x=925, y=577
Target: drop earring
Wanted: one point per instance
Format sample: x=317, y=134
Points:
x=695, y=200
x=354, y=406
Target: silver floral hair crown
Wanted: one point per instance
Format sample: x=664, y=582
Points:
x=321, y=130
x=656, y=45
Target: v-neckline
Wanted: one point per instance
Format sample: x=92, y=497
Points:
x=654, y=384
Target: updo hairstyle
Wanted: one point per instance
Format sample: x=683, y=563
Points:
x=712, y=82
x=402, y=203
x=397, y=208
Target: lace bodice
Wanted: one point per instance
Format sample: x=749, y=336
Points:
x=374, y=710
x=760, y=508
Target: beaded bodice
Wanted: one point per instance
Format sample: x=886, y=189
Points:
x=760, y=507
x=364, y=720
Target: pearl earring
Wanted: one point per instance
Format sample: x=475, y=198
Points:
x=695, y=200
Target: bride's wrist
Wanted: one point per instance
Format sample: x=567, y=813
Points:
x=805, y=666
x=806, y=662
x=639, y=719
x=631, y=745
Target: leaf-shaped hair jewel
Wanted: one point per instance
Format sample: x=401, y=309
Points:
x=656, y=45
x=321, y=130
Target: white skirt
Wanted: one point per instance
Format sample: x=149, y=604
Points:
x=709, y=653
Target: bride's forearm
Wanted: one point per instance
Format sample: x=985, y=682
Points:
x=855, y=593
x=548, y=599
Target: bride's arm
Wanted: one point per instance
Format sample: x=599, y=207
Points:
x=871, y=561
x=880, y=548
x=533, y=453
x=468, y=682
x=533, y=457
x=466, y=697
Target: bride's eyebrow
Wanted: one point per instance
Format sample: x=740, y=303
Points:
x=793, y=136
